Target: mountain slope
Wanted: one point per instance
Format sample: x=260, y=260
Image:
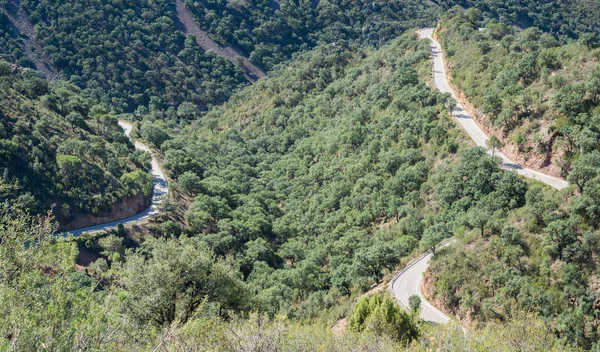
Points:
x=539, y=97
x=564, y=19
x=59, y=148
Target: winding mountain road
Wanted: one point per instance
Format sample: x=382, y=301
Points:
x=160, y=189
x=408, y=281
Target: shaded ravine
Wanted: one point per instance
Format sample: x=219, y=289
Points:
x=408, y=281
x=187, y=24
x=160, y=189
x=23, y=28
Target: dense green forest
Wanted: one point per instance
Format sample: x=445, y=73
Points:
x=307, y=188
x=131, y=54
x=57, y=147
x=564, y=19
x=293, y=201
x=270, y=32
x=541, y=97
x=292, y=174
x=10, y=50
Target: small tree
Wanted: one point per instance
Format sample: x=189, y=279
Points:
x=414, y=304
x=379, y=313
x=478, y=217
x=433, y=235
x=494, y=143
x=69, y=165
x=190, y=182
x=473, y=15
x=112, y=247
x=370, y=262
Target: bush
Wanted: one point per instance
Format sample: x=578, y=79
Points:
x=380, y=314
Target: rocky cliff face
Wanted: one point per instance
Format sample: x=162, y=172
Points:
x=123, y=209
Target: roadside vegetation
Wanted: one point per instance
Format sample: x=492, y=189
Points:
x=541, y=98
x=306, y=190
x=292, y=201
x=59, y=148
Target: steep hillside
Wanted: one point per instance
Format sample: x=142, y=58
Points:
x=23, y=29
x=321, y=178
x=540, y=97
x=564, y=19
x=135, y=54
x=59, y=148
x=10, y=50
x=130, y=54
x=306, y=189
x=270, y=32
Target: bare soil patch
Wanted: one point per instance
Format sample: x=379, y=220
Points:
x=22, y=25
x=188, y=25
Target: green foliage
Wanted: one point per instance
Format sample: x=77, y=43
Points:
x=576, y=19
x=56, y=150
x=269, y=37
x=10, y=50
x=545, y=272
x=190, y=183
x=370, y=262
x=154, y=133
x=131, y=55
x=292, y=191
x=540, y=96
x=137, y=181
x=380, y=314
x=44, y=303
x=414, y=304
x=168, y=280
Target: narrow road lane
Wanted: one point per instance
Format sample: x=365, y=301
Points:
x=472, y=128
x=408, y=281
x=160, y=189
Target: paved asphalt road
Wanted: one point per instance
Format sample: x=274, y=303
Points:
x=476, y=133
x=408, y=282
x=159, y=191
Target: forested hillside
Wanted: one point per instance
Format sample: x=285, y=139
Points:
x=292, y=201
x=540, y=97
x=291, y=176
x=10, y=50
x=132, y=55
x=57, y=147
x=564, y=19
x=307, y=188
x=269, y=32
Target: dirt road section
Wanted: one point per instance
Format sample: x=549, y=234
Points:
x=23, y=27
x=187, y=24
